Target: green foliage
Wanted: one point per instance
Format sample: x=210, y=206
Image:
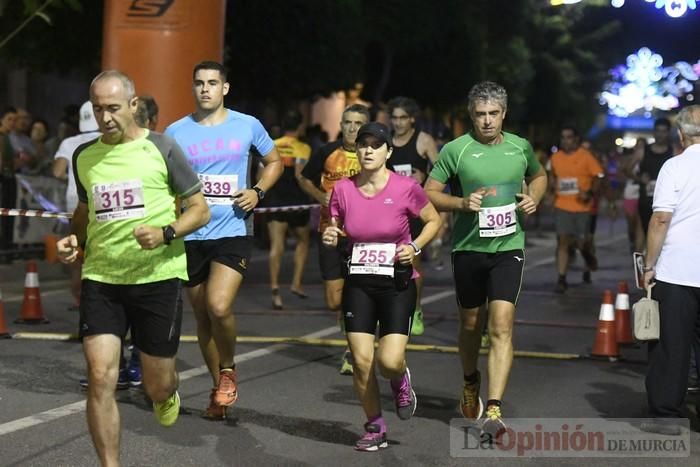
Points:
x=68, y=39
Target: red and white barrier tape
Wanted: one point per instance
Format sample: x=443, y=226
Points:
x=299, y=207
x=34, y=213
x=68, y=215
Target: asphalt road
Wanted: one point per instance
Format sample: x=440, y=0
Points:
x=294, y=407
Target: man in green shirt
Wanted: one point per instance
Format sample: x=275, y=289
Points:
x=127, y=181
x=489, y=167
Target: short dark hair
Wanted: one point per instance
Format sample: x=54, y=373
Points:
x=406, y=103
x=8, y=110
x=357, y=108
x=150, y=105
x=663, y=121
x=291, y=120
x=572, y=128
x=211, y=65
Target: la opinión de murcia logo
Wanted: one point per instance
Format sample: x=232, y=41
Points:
x=149, y=8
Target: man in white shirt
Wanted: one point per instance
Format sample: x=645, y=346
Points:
x=673, y=262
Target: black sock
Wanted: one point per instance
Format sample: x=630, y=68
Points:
x=562, y=278
x=471, y=379
x=495, y=402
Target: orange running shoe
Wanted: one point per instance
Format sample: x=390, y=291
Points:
x=214, y=411
x=227, y=389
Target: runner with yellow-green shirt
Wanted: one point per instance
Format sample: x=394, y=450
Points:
x=489, y=165
x=127, y=181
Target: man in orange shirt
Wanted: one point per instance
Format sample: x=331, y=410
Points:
x=576, y=176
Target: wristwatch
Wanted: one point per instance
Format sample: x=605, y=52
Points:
x=260, y=192
x=415, y=248
x=168, y=234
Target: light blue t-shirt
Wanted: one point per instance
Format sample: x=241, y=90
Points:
x=220, y=155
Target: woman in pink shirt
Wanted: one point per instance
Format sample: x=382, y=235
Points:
x=374, y=208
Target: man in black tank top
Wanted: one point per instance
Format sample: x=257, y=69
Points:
x=413, y=149
x=655, y=155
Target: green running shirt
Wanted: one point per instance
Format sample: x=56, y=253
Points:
x=124, y=186
x=498, y=169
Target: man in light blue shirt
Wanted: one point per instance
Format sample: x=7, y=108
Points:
x=217, y=142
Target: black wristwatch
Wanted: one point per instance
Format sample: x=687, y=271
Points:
x=260, y=192
x=168, y=234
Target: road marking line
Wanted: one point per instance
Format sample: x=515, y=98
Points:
x=77, y=407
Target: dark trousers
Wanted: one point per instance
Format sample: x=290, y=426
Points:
x=669, y=358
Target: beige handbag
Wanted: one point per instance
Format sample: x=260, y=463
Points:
x=646, y=318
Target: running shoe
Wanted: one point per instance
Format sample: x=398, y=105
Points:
x=417, y=327
x=493, y=423
x=470, y=404
x=586, y=276
x=561, y=286
x=485, y=340
x=122, y=382
x=404, y=396
x=166, y=412
x=133, y=370
x=227, y=389
x=346, y=363
x=373, y=439
x=214, y=411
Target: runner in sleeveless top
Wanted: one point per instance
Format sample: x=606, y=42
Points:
x=490, y=166
x=653, y=158
x=326, y=166
x=286, y=192
x=413, y=150
x=217, y=142
x=127, y=182
x=374, y=209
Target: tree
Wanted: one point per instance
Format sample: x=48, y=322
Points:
x=61, y=35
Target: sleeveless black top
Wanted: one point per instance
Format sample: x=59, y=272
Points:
x=406, y=155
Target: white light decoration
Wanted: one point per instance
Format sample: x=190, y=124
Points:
x=643, y=85
x=673, y=8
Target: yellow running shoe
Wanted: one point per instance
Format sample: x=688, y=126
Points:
x=417, y=327
x=166, y=412
x=493, y=423
x=346, y=363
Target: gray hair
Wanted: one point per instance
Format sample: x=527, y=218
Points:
x=689, y=121
x=127, y=82
x=488, y=91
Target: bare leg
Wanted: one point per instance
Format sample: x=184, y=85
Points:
x=207, y=346
x=102, y=357
x=501, y=315
x=364, y=378
x=301, y=252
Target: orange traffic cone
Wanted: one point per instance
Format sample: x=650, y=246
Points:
x=623, y=324
x=31, y=313
x=605, y=344
x=4, y=333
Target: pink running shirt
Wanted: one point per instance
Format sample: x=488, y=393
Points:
x=382, y=218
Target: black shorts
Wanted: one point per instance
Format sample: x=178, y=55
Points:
x=292, y=218
x=365, y=305
x=233, y=252
x=331, y=261
x=153, y=311
x=496, y=276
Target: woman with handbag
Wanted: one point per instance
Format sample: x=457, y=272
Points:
x=374, y=208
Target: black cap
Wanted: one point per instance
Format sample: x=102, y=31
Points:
x=376, y=129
